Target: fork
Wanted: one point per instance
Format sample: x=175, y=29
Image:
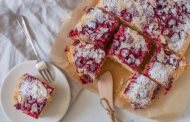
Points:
x=40, y=64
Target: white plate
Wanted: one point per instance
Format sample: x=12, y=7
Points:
x=54, y=111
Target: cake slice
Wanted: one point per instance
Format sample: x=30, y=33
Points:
x=140, y=91
x=87, y=58
x=165, y=21
x=32, y=95
x=95, y=27
x=124, y=9
x=165, y=67
x=130, y=49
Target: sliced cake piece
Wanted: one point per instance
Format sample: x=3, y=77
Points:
x=140, y=91
x=95, y=27
x=165, y=67
x=32, y=95
x=87, y=59
x=130, y=49
x=124, y=9
x=166, y=21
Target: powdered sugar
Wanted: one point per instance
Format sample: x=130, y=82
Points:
x=88, y=51
x=109, y=5
x=161, y=73
x=163, y=66
x=153, y=17
x=179, y=38
x=88, y=60
x=95, y=26
x=140, y=91
x=130, y=47
x=33, y=88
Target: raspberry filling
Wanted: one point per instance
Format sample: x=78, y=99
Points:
x=164, y=20
x=141, y=90
x=127, y=15
x=97, y=29
x=26, y=101
x=88, y=60
x=31, y=107
x=129, y=47
x=86, y=79
x=162, y=66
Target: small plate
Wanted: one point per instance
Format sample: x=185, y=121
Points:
x=54, y=111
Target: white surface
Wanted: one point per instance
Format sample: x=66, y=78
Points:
x=55, y=110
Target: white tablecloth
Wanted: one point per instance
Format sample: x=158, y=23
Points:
x=45, y=18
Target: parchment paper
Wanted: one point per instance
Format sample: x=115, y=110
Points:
x=165, y=108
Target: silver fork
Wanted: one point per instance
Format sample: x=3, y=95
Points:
x=40, y=64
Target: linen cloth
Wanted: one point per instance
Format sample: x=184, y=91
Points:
x=44, y=18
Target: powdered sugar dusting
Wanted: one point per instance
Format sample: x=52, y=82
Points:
x=96, y=26
x=32, y=95
x=33, y=88
x=169, y=19
x=88, y=51
x=140, y=91
x=179, y=38
x=109, y=5
x=161, y=73
x=88, y=59
x=163, y=65
x=130, y=47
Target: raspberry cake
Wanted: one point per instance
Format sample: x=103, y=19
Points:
x=130, y=49
x=87, y=59
x=32, y=95
x=140, y=91
x=167, y=21
x=165, y=67
x=95, y=27
x=124, y=9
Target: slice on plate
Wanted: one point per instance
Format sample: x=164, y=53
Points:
x=31, y=95
x=95, y=27
x=140, y=91
x=87, y=59
x=165, y=67
x=130, y=49
x=166, y=21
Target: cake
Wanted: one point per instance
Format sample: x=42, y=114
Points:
x=87, y=58
x=124, y=9
x=95, y=27
x=165, y=67
x=165, y=21
x=31, y=95
x=130, y=49
x=140, y=91
x=147, y=38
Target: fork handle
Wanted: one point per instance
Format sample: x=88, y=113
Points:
x=22, y=22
